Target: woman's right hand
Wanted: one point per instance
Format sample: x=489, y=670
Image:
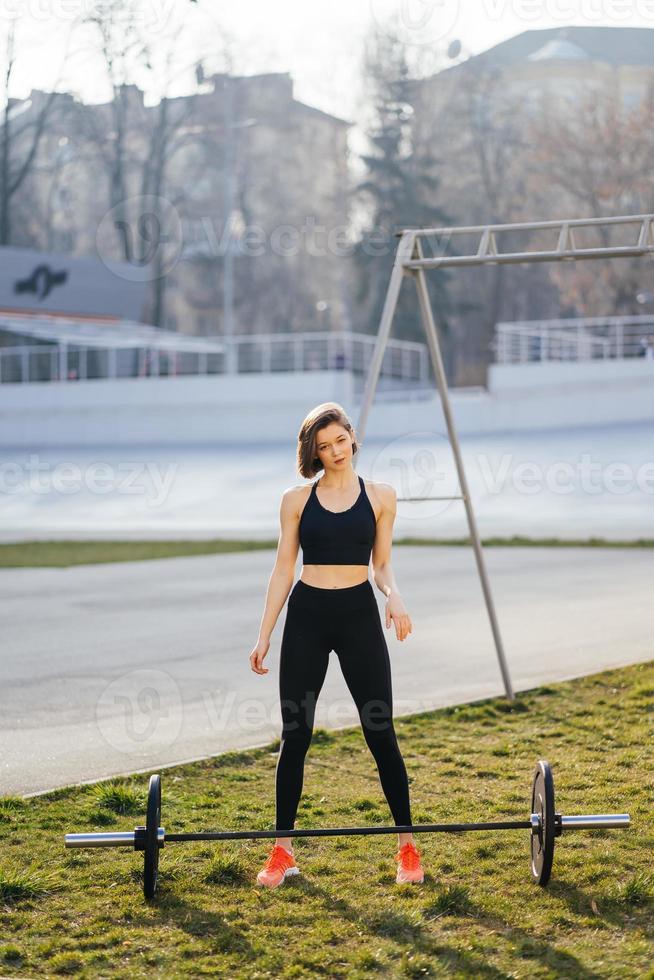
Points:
x=257, y=655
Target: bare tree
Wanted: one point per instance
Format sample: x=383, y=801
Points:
x=22, y=129
x=398, y=190
x=135, y=144
x=592, y=158
x=478, y=125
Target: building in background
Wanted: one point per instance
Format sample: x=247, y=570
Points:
x=239, y=161
x=232, y=204
x=78, y=319
x=546, y=125
x=34, y=283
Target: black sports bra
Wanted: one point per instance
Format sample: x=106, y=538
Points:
x=344, y=537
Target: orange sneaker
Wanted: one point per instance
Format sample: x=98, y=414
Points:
x=409, y=867
x=280, y=865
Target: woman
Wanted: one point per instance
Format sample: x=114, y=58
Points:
x=339, y=522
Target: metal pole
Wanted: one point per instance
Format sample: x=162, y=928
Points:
x=436, y=828
x=128, y=838
x=566, y=248
x=228, y=284
x=595, y=820
x=441, y=381
x=403, y=253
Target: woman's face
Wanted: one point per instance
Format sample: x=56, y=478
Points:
x=334, y=446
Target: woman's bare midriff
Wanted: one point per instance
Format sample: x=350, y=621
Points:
x=333, y=576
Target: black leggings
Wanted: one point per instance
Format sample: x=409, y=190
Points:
x=348, y=622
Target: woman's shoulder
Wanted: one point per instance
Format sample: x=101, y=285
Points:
x=299, y=490
x=384, y=492
x=294, y=498
x=382, y=497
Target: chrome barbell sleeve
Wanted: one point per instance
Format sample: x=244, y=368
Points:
x=125, y=839
x=595, y=821
x=112, y=839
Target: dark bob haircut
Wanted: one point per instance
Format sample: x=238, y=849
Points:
x=308, y=463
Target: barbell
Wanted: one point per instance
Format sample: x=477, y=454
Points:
x=544, y=825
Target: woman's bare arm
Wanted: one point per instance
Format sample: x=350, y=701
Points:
x=281, y=577
x=381, y=562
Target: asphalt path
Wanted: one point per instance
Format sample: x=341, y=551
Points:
x=124, y=667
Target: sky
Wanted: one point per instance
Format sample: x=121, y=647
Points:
x=319, y=43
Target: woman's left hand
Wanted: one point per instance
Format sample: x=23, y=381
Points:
x=396, y=611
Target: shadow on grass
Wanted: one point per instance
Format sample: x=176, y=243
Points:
x=606, y=908
x=220, y=936
x=404, y=929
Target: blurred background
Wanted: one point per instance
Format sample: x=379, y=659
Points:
x=199, y=211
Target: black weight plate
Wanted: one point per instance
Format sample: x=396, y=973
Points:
x=152, y=823
x=542, y=842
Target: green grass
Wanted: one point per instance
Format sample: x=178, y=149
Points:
x=81, y=912
x=60, y=554
x=32, y=554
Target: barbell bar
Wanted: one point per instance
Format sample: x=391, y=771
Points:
x=544, y=825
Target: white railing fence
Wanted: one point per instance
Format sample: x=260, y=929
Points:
x=325, y=350
x=574, y=339
x=406, y=361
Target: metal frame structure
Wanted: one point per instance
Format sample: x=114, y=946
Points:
x=411, y=262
